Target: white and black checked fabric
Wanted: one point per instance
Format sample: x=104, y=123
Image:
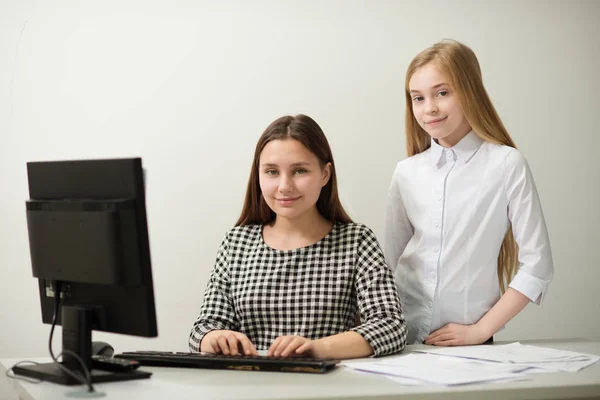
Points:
x=314, y=292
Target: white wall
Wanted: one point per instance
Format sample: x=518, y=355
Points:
x=190, y=86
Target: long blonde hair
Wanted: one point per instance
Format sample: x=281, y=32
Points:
x=460, y=64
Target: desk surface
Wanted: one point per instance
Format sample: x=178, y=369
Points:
x=342, y=383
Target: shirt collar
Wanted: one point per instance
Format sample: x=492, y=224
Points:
x=464, y=150
x=436, y=152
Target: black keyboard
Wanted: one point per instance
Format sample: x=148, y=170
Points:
x=220, y=361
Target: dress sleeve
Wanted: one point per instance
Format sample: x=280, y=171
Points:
x=217, y=310
x=382, y=320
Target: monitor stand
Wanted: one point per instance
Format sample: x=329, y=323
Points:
x=76, y=338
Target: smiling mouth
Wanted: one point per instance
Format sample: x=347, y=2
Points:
x=436, y=121
x=287, y=200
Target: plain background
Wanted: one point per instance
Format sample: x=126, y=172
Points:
x=190, y=86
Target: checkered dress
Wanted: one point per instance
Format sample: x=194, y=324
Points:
x=313, y=291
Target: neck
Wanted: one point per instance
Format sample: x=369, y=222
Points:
x=454, y=138
x=308, y=223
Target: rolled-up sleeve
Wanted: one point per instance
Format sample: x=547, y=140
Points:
x=382, y=320
x=217, y=310
x=529, y=229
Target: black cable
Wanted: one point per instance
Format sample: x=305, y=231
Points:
x=87, y=380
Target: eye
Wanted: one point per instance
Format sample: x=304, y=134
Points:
x=418, y=98
x=443, y=93
x=300, y=171
x=271, y=172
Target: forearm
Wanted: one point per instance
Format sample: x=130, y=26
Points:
x=509, y=305
x=343, y=345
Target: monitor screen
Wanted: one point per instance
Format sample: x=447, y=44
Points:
x=88, y=236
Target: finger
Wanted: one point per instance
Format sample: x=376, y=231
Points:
x=214, y=344
x=253, y=350
x=282, y=345
x=246, y=345
x=441, y=338
x=452, y=342
x=223, y=345
x=432, y=340
x=274, y=345
x=292, y=346
x=433, y=335
x=233, y=342
x=449, y=337
x=436, y=333
x=450, y=328
x=306, y=347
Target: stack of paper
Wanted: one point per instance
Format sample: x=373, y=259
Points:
x=523, y=355
x=431, y=368
x=473, y=364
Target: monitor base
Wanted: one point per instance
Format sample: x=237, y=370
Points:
x=52, y=373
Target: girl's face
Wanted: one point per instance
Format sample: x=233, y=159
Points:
x=291, y=178
x=436, y=106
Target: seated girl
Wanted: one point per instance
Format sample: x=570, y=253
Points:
x=295, y=272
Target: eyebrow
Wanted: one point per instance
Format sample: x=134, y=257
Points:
x=433, y=87
x=298, y=164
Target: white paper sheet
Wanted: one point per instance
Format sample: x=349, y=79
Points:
x=523, y=355
x=429, y=368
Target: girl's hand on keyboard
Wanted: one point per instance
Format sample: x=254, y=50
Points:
x=288, y=346
x=228, y=343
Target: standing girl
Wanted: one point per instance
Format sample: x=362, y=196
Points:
x=464, y=220
x=295, y=272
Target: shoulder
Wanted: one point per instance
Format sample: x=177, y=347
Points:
x=359, y=240
x=509, y=156
x=352, y=229
x=514, y=158
x=354, y=232
x=409, y=164
x=243, y=234
x=510, y=165
x=410, y=168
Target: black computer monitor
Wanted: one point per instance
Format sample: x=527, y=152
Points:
x=88, y=238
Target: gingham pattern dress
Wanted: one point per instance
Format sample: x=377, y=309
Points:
x=314, y=291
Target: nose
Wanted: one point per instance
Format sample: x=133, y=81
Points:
x=431, y=107
x=285, y=184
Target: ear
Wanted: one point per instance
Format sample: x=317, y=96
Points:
x=326, y=174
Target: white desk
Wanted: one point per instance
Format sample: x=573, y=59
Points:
x=342, y=383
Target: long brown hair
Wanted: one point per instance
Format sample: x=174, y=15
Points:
x=305, y=130
x=460, y=64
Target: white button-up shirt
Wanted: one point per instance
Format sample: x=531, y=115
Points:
x=448, y=212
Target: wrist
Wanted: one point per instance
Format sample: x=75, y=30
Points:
x=321, y=347
x=485, y=330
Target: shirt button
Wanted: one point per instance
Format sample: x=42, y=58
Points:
x=439, y=198
x=436, y=223
x=436, y=249
x=432, y=275
x=430, y=304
